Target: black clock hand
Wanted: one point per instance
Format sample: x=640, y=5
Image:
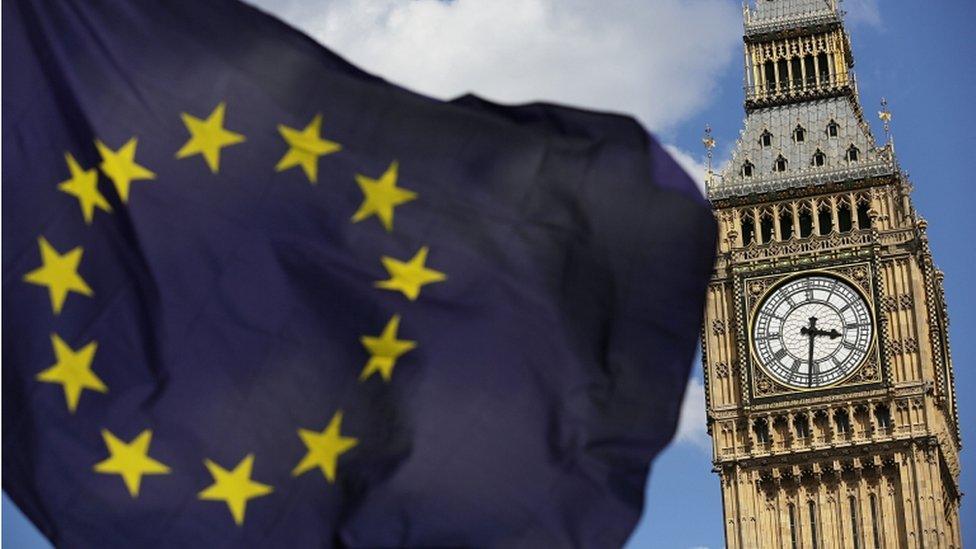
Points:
x=812, y=332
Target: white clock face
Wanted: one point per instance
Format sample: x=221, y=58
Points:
x=812, y=331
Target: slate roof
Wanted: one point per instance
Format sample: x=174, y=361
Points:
x=772, y=15
x=781, y=121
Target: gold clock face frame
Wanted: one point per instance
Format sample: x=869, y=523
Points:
x=812, y=330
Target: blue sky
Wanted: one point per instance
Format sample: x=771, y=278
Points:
x=677, y=66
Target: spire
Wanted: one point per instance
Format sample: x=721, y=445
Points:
x=804, y=123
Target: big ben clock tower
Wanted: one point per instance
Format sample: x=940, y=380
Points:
x=829, y=382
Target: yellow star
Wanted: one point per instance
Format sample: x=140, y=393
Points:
x=324, y=448
x=207, y=137
x=83, y=185
x=409, y=276
x=131, y=460
x=305, y=148
x=384, y=350
x=380, y=196
x=120, y=166
x=59, y=273
x=234, y=487
x=73, y=371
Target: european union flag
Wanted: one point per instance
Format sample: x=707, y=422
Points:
x=255, y=296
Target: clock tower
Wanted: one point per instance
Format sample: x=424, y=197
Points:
x=829, y=382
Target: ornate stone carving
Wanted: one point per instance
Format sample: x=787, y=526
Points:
x=718, y=327
x=757, y=287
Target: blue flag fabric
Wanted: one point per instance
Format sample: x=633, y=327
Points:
x=255, y=296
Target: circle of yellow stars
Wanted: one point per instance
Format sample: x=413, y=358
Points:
x=60, y=273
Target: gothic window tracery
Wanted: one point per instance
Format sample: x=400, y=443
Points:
x=844, y=219
x=802, y=427
x=855, y=531
x=813, y=524
x=843, y=422
x=819, y=158
x=766, y=225
x=883, y=417
x=786, y=222
x=747, y=168
x=792, y=513
x=779, y=165
x=806, y=220
x=761, y=429
x=825, y=217
x=875, y=524
x=824, y=67
x=863, y=206
x=748, y=228
x=799, y=134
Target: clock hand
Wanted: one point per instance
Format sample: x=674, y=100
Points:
x=833, y=333
x=812, y=332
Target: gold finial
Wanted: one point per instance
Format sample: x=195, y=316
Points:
x=885, y=115
x=709, y=143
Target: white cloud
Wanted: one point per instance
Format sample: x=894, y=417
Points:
x=688, y=163
x=691, y=425
x=658, y=61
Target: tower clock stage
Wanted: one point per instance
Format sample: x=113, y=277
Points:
x=813, y=330
x=828, y=378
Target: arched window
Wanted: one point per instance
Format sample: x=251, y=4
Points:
x=748, y=229
x=784, y=74
x=761, y=428
x=766, y=225
x=844, y=222
x=799, y=134
x=765, y=139
x=786, y=222
x=779, y=165
x=843, y=422
x=819, y=158
x=863, y=219
x=832, y=129
x=808, y=64
x=806, y=221
x=824, y=218
x=883, y=417
x=770, y=75
x=855, y=531
x=802, y=426
x=813, y=524
x=797, y=73
x=853, y=154
x=824, y=67
x=792, y=511
x=875, y=526
x=747, y=168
